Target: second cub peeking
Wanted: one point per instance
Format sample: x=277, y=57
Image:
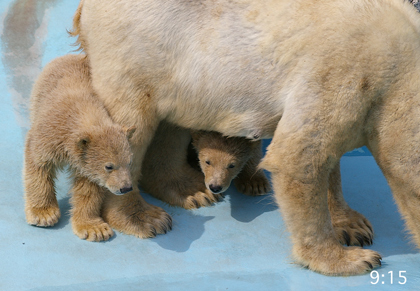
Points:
x=223, y=159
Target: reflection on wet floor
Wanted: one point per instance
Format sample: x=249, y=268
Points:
x=24, y=31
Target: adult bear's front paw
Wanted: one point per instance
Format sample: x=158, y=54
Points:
x=333, y=259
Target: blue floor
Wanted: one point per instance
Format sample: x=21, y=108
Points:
x=238, y=244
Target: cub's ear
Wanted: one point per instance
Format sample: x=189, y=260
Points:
x=129, y=131
x=83, y=141
x=196, y=135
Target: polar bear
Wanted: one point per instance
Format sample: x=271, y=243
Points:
x=223, y=159
x=321, y=78
x=169, y=176
x=70, y=126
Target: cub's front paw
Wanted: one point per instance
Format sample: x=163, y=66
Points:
x=150, y=222
x=136, y=217
x=46, y=216
x=93, y=230
x=201, y=198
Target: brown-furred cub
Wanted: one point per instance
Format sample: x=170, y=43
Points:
x=223, y=159
x=70, y=126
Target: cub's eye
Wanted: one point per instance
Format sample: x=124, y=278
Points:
x=109, y=167
x=208, y=162
x=231, y=166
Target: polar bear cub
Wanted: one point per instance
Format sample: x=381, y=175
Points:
x=223, y=159
x=70, y=126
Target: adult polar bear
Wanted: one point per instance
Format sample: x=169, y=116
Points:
x=321, y=77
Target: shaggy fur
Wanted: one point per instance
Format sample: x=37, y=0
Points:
x=224, y=159
x=167, y=174
x=320, y=77
x=70, y=126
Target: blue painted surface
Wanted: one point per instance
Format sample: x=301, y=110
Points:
x=238, y=244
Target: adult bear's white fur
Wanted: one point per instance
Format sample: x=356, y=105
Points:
x=321, y=77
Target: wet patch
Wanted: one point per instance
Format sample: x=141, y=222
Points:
x=24, y=30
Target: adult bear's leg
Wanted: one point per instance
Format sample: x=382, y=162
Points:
x=351, y=227
x=394, y=143
x=308, y=143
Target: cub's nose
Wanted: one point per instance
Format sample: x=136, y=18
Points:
x=126, y=190
x=215, y=189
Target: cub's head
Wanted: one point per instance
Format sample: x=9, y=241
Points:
x=105, y=157
x=220, y=158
